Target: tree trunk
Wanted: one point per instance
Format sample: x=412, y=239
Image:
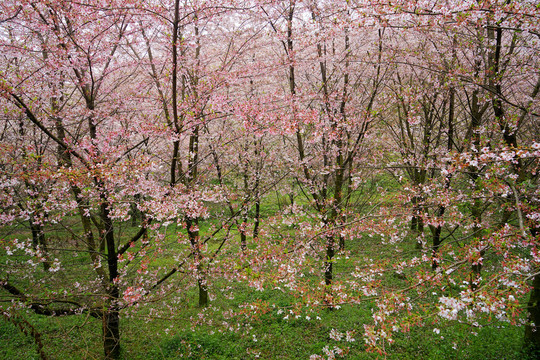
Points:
x=257, y=218
x=437, y=230
x=111, y=332
x=328, y=271
x=256, y=190
x=476, y=269
x=38, y=239
x=111, y=316
x=435, y=247
x=193, y=234
x=532, y=331
x=328, y=264
x=243, y=238
x=203, y=292
x=245, y=206
x=417, y=222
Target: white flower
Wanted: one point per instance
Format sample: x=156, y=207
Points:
x=335, y=335
x=436, y=331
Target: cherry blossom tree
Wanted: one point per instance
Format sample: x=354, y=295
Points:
x=470, y=42
x=139, y=131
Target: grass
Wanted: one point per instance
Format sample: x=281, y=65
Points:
x=165, y=329
x=270, y=338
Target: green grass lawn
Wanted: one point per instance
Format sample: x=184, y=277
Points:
x=175, y=328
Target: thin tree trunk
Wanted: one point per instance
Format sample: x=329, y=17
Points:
x=38, y=238
x=532, y=329
x=476, y=212
x=111, y=317
x=111, y=330
x=256, y=189
x=328, y=264
x=477, y=111
x=244, y=210
x=442, y=208
x=193, y=235
x=257, y=218
x=417, y=221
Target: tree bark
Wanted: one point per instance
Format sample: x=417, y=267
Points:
x=328, y=264
x=532, y=330
x=111, y=317
x=111, y=331
x=193, y=235
x=38, y=239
